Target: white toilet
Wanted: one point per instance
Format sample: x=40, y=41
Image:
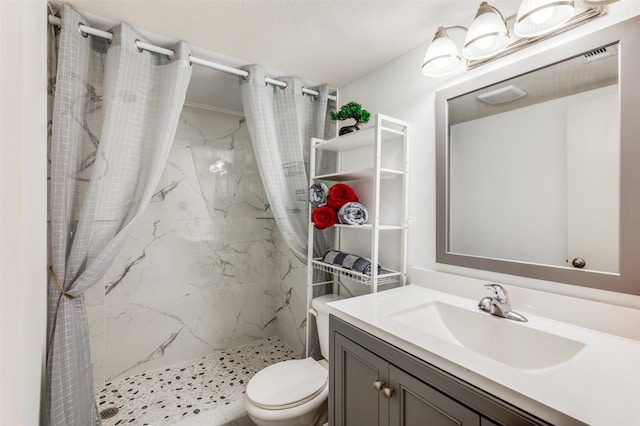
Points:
x=294, y=392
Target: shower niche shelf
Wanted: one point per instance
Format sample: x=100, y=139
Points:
x=374, y=163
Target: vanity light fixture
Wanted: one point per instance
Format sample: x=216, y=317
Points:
x=538, y=17
x=488, y=37
x=442, y=55
x=487, y=34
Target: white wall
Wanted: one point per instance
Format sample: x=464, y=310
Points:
x=23, y=156
x=399, y=89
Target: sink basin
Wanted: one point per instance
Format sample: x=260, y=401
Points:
x=500, y=339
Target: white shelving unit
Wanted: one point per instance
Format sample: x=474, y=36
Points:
x=374, y=162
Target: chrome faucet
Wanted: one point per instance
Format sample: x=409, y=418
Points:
x=499, y=305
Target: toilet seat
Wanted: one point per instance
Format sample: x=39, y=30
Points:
x=287, y=384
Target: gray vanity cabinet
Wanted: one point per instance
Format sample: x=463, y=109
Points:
x=400, y=400
x=413, y=402
x=357, y=401
x=373, y=383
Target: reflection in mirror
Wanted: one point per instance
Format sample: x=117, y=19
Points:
x=534, y=166
x=537, y=165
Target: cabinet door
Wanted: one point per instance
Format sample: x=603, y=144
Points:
x=356, y=401
x=414, y=403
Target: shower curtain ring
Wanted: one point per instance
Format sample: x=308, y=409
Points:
x=58, y=26
x=82, y=33
x=315, y=97
x=138, y=47
x=248, y=76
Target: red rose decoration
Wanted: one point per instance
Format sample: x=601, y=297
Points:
x=324, y=217
x=339, y=195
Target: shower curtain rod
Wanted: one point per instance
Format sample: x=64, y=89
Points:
x=86, y=30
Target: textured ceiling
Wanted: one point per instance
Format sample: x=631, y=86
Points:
x=325, y=41
x=332, y=42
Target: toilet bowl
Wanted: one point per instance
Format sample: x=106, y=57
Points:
x=294, y=392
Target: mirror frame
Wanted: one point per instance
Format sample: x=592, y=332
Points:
x=627, y=280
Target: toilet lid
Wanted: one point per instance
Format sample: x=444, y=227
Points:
x=287, y=383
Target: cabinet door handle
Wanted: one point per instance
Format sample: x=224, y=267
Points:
x=378, y=384
x=388, y=392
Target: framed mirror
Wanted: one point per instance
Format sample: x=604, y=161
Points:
x=538, y=165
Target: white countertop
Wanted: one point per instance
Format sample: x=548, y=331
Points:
x=600, y=385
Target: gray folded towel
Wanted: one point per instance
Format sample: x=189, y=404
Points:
x=353, y=214
x=318, y=193
x=349, y=261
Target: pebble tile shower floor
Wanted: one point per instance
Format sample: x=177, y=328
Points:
x=185, y=391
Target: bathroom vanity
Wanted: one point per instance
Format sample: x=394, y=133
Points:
x=419, y=355
x=424, y=353
x=375, y=383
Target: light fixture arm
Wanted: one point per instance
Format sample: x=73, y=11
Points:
x=486, y=7
x=442, y=31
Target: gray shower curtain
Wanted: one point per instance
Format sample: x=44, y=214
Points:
x=281, y=123
x=114, y=118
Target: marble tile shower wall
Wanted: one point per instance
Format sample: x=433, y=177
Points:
x=198, y=272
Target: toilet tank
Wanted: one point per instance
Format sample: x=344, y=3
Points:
x=319, y=304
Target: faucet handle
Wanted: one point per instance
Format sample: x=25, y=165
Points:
x=499, y=305
x=499, y=293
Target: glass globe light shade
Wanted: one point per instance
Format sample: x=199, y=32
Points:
x=442, y=56
x=538, y=17
x=594, y=3
x=487, y=34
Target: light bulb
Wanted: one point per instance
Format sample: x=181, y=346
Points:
x=442, y=55
x=539, y=17
x=484, y=42
x=542, y=15
x=440, y=63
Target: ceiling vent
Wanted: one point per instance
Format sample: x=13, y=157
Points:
x=503, y=95
x=601, y=53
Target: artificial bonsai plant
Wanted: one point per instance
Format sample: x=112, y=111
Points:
x=351, y=110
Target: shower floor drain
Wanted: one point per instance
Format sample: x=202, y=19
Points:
x=109, y=412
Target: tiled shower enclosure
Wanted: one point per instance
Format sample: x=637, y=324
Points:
x=205, y=269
